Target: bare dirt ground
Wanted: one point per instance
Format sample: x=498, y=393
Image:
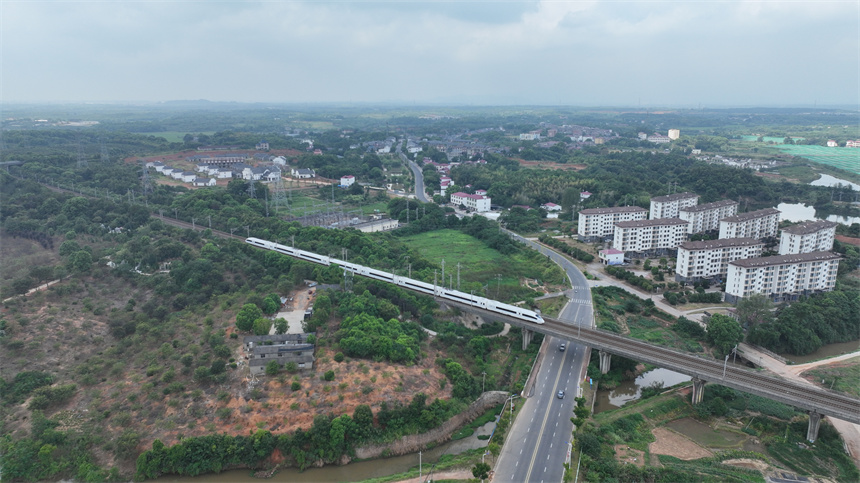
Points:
x=671, y=443
x=464, y=475
x=627, y=455
x=548, y=165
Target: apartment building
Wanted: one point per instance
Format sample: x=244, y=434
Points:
x=701, y=260
x=477, y=203
x=707, y=217
x=755, y=224
x=668, y=206
x=598, y=223
x=782, y=278
x=649, y=237
x=809, y=236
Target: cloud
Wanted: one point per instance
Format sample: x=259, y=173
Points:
x=573, y=52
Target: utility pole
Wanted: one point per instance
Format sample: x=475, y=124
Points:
x=193, y=221
x=483, y=381
x=248, y=230
x=419, y=465
x=458, y=275
x=210, y=222
x=443, y=271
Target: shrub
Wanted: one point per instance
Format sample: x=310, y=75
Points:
x=338, y=357
x=295, y=386
x=328, y=376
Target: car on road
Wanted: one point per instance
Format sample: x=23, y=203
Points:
x=562, y=347
x=560, y=394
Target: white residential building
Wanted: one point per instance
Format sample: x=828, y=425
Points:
x=709, y=259
x=669, y=206
x=611, y=256
x=551, y=207
x=649, y=235
x=755, y=224
x=204, y=182
x=674, y=134
x=600, y=222
x=302, y=173
x=347, y=180
x=782, y=278
x=706, y=217
x=471, y=202
x=809, y=236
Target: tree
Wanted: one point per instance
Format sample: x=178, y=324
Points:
x=481, y=471
x=281, y=326
x=754, y=310
x=262, y=326
x=272, y=368
x=80, y=261
x=724, y=333
x=246, y=317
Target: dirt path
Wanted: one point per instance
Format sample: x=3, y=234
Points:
x=850, y=432
x=673, y=444
x=444, y=475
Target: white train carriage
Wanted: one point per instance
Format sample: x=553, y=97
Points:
x=416, y=285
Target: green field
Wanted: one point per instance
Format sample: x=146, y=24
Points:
x=482, y=267
x=176, y=136
x=842, y=158
x=770, y=139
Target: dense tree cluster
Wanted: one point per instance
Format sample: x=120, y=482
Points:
x=566, y=249
x=806, y=325
x=366, y=336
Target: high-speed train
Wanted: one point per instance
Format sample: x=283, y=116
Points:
x=418, y=286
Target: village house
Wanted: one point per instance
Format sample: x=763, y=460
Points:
x=476, y=203
x=302, y=173
x=284, y=348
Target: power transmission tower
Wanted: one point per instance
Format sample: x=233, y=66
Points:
x=281, y=197
x=146, y=181
x=104, y=151
x=347, y=280
x=251, y=191
x=82, y=161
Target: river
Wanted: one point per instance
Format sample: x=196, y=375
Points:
x=627, y=391
x=357, y=471
x=827, y=180
x=797, y=212
x=825, y=351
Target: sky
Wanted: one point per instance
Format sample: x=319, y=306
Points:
x=575, y=53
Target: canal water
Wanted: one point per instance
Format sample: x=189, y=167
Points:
x=357, y=471
x=827, y=180
x=825, y=351
x=627, y=391
x=797, y=212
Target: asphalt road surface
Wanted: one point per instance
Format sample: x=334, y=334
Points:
x=540, y=438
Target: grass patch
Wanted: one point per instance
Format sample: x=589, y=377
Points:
x=468, y=430
x=841, y=376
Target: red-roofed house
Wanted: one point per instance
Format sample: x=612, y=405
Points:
x=471, y=202
x=584, y=195
x=347, y=180
x=551, y=207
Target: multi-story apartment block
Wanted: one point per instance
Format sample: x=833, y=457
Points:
x=596, y=223
x=477, y=203
x=782, y=278
x=649, y=236
x=809, y=236
x=707, y=217
x=699, y=260
x=755, y=224
x=668, y=206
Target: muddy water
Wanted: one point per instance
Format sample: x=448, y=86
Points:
x=352, y=472
x=829, y=350
x=627, y=391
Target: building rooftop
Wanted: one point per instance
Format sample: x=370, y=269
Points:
x=751, y=215
x=616, y=209
x=709, y=206
x=657, y=222
x=721, y=243
x=611, y=251
x=467, y=195
x=785, y=259
x=808, y=227
x=674, y=197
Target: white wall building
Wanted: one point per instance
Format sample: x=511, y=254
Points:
x=649, y=235
x=698, y=260
x=674, y=134
x=782, y=278
x=551, y=207
x=347, y=180
x=302, y=173
x=755, y=224
x=706, y=217
x=600, y=222
x=809, y=236
x=669, y=206
x=471, y=202
x=611, y=256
